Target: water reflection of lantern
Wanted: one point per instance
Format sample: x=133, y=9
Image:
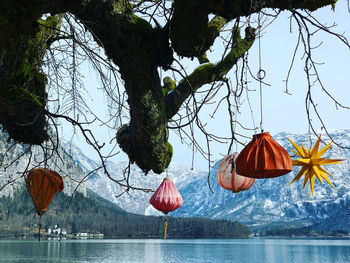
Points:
x=42, y=185
x=229, y=179
x=166, y=199
x=263, y=157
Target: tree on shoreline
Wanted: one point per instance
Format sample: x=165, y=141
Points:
x=140, y=40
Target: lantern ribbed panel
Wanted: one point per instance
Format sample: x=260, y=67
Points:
x=166, y=198
x=42, y=185
x=263, y=157
x=229, y=179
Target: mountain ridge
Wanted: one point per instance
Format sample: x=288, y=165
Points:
x=92, y=214
x=88, y=210
x=268, y=203
x=273, y=201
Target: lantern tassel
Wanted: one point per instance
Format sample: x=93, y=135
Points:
x=39, y=228
x=165, y=227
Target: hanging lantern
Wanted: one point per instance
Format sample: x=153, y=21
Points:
x=263, y=157
x=310, y=162
x=166, y=199
x=229, y=179
x=42, y=185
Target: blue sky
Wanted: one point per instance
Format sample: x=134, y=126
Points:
x=281, y=112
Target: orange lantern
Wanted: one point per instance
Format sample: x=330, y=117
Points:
x=229, y=179
x=42, y=185
x=263, y=157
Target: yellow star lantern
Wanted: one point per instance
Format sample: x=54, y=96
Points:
x=311, y=163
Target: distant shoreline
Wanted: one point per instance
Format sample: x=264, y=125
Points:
x=324, y=237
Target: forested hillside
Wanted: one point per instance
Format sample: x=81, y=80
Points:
x=94, y=214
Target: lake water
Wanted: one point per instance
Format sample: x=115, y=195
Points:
x=189, y=250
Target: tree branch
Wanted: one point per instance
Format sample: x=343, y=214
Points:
x=138, y=49
x=189, y=27
x=231, y=9
x=23, y=96
x=209, y=72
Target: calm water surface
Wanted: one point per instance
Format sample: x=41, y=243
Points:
x=168, y=251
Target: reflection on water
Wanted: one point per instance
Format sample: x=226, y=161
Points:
x=171, y=251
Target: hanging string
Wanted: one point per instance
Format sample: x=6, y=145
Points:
x=233, y=168
x=261, y=74
x=39, y=226
x=234, y=125
x=45, y=155
x=245, y=62
x=309, y=128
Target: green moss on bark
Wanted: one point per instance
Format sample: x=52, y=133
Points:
x=188, y=31
x=22, y=102
x=23, y=95
x=137, y=49
x=209, y=72
x=231, y=9
x=154, y=153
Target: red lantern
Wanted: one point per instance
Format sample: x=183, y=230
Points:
x=263, y=157
x=229, y=179
x=42, y=185
x=166, y=198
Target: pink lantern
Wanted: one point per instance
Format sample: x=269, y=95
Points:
x=229, y=179
x=166, y=198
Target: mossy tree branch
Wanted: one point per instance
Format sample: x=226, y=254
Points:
x=209, y=72
x=231, y=9
x=192, y=35
x=137, y=48
x=22, y=83
x=189, y=33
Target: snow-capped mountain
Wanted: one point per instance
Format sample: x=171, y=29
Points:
x=134, y=201
x=16, y=157
x=73, y=166
x=273, y=201
x=267, y=202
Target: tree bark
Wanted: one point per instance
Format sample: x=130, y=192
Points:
x=137, y=49
x=209, y=72
x=189, y=33
x=23, y=37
